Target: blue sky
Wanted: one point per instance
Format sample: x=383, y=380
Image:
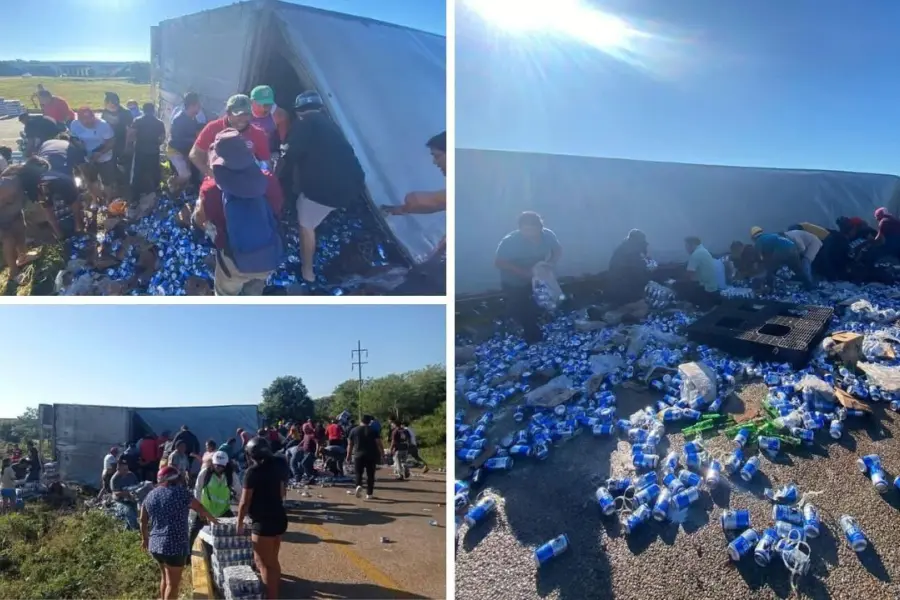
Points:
x=120, y=29
x=201, y=355
x=803, y=83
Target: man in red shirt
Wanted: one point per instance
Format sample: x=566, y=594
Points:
x=56, y=108
x=334, y=434
x=237, y=116
x=236, y=173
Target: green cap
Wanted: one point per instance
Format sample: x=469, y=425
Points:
x=263, y=94
x=239, y=104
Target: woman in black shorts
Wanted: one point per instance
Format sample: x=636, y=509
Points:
x=164, y=527
x=263, y=501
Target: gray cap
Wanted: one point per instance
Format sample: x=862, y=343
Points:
x=239, y=104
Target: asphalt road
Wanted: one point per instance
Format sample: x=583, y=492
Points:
x=687, y=561
x=333, y=546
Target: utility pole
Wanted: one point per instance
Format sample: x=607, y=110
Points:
x=357, y=357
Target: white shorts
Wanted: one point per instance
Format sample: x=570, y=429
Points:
x=179, y=163
x=311, y=214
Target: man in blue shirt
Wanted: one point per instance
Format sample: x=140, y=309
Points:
x=778, y=251
x=517, y=255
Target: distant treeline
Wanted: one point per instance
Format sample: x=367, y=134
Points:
x=137, y=72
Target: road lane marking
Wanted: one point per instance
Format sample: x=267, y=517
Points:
x=374, y=574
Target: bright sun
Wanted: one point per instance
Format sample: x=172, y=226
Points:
x=572, y=18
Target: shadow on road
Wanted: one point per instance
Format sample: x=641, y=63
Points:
x=293, y=587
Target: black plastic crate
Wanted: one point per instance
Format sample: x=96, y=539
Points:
x=764, y=330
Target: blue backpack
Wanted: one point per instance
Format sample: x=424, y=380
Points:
x=254, y=243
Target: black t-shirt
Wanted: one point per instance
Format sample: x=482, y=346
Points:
x=265, y=480
x=149, y=133
x=363, y=439
x=190, y=441
x=42, y=128
x=120, y=120
x=320, y=162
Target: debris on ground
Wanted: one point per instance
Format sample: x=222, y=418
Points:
x=555, y=391
x=152, y=250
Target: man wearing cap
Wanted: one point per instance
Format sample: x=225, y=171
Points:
x=98, y=139
x=237, y=116
x=322, y=170
x=268, y=116
x=235, y=172
x=778, y=251
x=120, y=119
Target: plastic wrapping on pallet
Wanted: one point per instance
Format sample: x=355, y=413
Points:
x=226, y=527
x=658, y=296
x=241, y=583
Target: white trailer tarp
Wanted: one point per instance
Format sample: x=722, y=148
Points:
x=83, y=435
x=384, y=85
x=592, y=203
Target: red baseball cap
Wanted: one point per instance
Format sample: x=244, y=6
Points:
x=167, y=473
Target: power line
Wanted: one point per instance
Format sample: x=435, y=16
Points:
x=357, y=357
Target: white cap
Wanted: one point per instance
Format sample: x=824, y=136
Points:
x=220, y=459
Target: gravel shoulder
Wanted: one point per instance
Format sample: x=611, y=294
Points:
x=689, y=560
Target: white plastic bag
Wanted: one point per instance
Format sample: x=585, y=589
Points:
x=547, y=292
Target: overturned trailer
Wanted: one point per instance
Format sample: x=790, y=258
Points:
x=383, y=84
x=80, y=435
x=592, y=203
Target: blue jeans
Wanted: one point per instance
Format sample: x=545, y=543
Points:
x=806, y=265
x=296, y=466
x=308, y=463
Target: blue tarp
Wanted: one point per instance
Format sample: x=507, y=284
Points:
x=207, y=422
x=592, y=203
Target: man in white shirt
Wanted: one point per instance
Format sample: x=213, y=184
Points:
x=414, y=447
x=98, y=139
x=110, y=464
x=809, y=245
x=704, y=278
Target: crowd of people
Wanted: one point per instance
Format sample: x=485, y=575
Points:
x=251, y=167
x=15, y=467
x=851, y=251
x=250, y=470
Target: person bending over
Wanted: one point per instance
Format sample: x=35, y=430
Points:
x=517, y=255
x=628, y=274
x=319, y=166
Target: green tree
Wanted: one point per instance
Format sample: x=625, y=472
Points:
x=27, y=425
x=286, y=398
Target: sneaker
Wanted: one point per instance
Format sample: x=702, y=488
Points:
x=358, y=491
x=369, y=496
x=425, y=470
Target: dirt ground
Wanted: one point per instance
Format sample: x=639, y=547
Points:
x=665, y=561
x=333, y=547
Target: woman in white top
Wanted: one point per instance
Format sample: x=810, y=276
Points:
x=7, y=484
